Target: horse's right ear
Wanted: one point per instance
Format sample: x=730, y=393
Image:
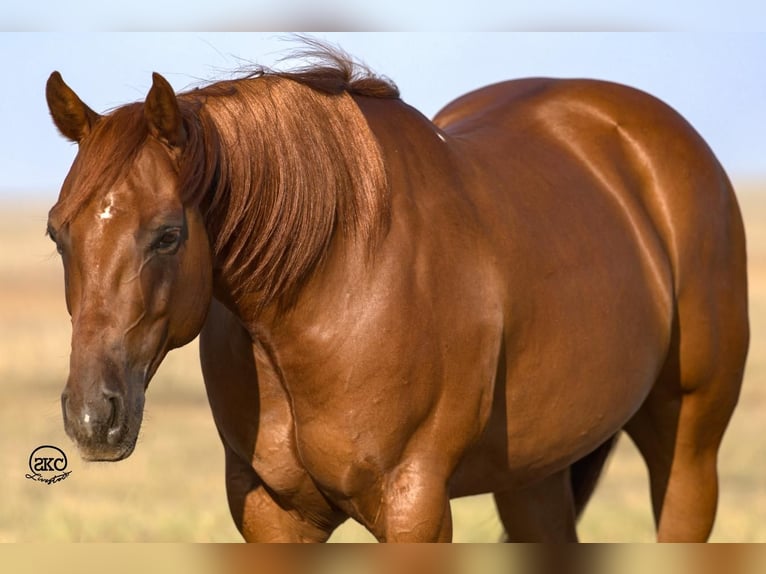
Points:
x=72, y=117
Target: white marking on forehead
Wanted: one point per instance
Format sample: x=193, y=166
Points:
x=86, y=418
x=107, y=213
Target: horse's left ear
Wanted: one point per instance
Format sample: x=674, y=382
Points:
x=163, y=114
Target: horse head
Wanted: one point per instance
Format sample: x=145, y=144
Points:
x=136, y=258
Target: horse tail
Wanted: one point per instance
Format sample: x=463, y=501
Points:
x=585, y=473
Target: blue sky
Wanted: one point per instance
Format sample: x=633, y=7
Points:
x=716, y=79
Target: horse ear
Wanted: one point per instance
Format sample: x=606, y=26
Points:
x=163, y=114
x=72, y=117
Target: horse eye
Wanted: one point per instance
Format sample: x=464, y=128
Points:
x=52, y=234
x=168, y=241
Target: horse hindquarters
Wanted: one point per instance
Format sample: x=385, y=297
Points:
x=679, y=428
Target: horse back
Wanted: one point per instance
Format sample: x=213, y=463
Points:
x=641, y=151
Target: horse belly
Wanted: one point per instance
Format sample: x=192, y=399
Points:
x=532, y=434
x=577, y=365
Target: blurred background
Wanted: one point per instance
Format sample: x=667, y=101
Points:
x=172, y=488
x=715, y=79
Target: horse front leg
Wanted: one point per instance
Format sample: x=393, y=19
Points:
x=414, y=506
x=260, y=517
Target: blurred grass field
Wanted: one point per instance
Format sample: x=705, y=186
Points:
x=172, y=488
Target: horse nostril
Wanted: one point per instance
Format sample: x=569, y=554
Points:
x=114, y=424
x=64, y=399
x=113, y=412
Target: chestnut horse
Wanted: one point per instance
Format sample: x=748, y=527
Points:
x=395, y=311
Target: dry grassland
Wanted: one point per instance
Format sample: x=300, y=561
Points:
x=172, y=490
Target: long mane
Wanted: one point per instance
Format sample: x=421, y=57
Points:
x=278, y=162
x=295, y=164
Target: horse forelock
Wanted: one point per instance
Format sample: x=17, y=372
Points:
x=104, y=158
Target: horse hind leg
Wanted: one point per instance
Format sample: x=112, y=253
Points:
x=586, y=472
x=679, y=428
x=541, y=512
x=548, y=511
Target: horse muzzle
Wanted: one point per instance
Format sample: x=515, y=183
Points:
x=101, y=422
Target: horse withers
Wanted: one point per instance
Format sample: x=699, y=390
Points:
x=395, y=311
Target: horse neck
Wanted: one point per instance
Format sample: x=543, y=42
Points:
x=296, y=169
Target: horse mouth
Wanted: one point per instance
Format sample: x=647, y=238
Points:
x=106, y=453
x=101, y=451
